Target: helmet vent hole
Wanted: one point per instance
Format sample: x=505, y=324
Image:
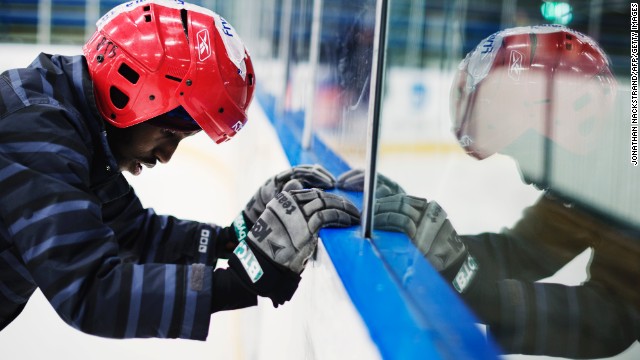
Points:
x=147, y=18
x=118, y=98
x=221, y=110
x=128, y=73
x=173, y=78
x=147, y=8
x=567, y=46
x=185, y=23
x=250, y=79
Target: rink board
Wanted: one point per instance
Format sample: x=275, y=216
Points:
x=409, y=311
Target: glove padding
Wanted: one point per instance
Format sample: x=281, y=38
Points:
x=353, y=180
x=295, y=178
x=427, y=225
x=284, y=237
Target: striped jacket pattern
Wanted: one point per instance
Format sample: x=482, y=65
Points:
x=71, y=225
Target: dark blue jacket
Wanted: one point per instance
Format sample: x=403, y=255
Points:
x=71, y=225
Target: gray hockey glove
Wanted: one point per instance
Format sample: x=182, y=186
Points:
x=295, y=178
x=427, y=225
x=276, y=249
x=353, y=180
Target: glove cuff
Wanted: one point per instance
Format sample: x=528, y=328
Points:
x=261, y=275
x=241, y=227
x=230, y=236
x=464, y=276
x=228, y=292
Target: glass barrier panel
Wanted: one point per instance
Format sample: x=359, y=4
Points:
x=342, y=86
x=262, y=30
x=508, y=127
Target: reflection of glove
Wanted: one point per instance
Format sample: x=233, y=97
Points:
x=353, y=180
x=427, y=225
x=296, y=178
x=275, y=251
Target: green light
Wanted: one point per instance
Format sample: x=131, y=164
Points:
x=557, y=12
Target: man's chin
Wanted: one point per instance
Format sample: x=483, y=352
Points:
x=137, y=169
x=134, y=169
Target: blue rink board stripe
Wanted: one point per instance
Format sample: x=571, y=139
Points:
x=410, y=312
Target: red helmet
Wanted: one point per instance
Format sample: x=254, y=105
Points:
x=149, y=57
x=547, y=79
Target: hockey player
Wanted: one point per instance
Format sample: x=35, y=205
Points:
x=154, y=73
x=521, y=91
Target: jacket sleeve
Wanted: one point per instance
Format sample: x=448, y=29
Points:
x=146, y=237
x=56, y=223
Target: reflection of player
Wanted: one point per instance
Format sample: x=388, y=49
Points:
x=521, y=87
x=534, y=90
x=525, y=82
x=345, y=89
x=353, y=60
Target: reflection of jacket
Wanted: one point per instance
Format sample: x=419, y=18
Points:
x=598, y=319
x=567, y=231
x=71, y=226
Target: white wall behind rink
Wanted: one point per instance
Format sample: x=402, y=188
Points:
x=210, y=183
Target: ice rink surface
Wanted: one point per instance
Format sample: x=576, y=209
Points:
x=211, y=183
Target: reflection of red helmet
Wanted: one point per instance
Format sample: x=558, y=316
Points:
x=547, y=79
x=150, y=57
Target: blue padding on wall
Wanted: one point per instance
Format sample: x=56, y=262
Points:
x=411, y=313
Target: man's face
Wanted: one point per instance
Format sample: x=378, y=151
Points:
x=143, y=145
